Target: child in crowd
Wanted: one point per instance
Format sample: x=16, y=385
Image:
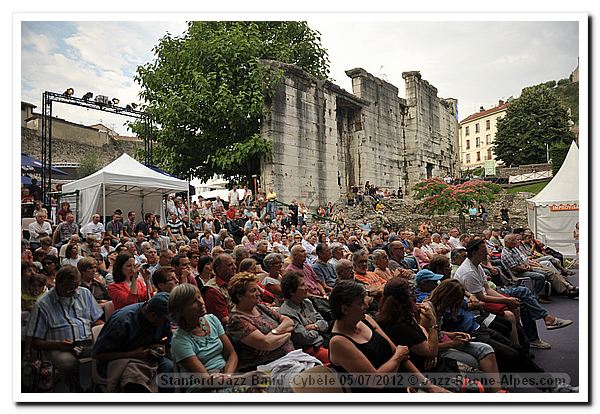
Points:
x=36, y=288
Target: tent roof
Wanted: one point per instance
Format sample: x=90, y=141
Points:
x=126, y=174
x=564, y=187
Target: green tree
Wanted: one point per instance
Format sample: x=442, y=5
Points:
x=533, y=120
x=207, y=92
x=443, y=198
x=89, y=164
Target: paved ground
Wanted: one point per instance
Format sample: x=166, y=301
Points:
x=564, y=355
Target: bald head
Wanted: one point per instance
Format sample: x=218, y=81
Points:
x=344, y=270
x=298, y=253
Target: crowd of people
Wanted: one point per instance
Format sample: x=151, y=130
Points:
x=226, y=288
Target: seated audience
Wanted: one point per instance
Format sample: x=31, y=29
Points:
x=309, y=325
x=358, y=345
x=60, y=325
x=259, y=334
x=200, y=345
x=140, y=332
x=128, y=287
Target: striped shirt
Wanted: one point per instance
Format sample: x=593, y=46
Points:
x=66, y=230
x=55, y=318
x=512, y=256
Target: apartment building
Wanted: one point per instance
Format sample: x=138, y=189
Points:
x=476, y=135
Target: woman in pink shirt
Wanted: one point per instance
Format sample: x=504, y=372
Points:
x=419, y=254
x=128, y=287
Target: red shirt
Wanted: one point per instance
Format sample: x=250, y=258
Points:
x=310, y=277
x=214, y=300
x=230, y=213
x=121, y=295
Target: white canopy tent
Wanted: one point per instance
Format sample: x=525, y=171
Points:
x=554, y=211
x=125, y=184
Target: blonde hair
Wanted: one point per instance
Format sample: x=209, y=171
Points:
x=180, y=299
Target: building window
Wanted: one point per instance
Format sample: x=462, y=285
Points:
x=487, y=124
x=477, y=142
x=468, y=144
x=466, y=131
x=468, y=159
x=488, y=139
x=476, y=128
x=478, y=156
x=489, y=155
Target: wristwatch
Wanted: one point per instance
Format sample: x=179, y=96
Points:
x=274, y=331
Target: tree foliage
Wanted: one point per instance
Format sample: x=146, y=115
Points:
x=537, y=117
x=207, y=91
x=89, y=164
x=442, y=198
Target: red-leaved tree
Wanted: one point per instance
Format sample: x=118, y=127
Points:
x=442, y=198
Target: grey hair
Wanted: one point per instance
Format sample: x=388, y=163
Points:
x=334, y=246
x=378, y=254
x=357, y=254
x=270, y=258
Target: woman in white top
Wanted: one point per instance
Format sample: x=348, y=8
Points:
x=72, y=256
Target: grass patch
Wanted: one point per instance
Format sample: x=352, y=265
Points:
x=528, y=188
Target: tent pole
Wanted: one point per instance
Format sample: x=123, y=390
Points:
x=103, y=202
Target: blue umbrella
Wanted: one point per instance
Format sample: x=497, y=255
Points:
x=31, y=164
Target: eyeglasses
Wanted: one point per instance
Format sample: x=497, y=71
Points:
x=195, y=257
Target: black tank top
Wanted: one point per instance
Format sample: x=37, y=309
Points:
x=377, y=350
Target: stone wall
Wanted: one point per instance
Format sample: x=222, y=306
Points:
x=64, y=150
x=66, y=130
x=327, y=141
x=406, y=213
x=380, y=148
x=432, y=131
x=506, y=172
x=307, y=150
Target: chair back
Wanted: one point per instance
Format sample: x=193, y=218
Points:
x=109, y=309
x=25, y=222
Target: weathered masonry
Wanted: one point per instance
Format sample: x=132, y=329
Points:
x=327, y=141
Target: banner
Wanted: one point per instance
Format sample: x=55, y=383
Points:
x=490, y=167
x=564, y=207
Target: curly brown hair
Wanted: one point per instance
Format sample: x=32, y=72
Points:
x=238, y=285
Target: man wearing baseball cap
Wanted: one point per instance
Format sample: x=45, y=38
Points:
x=141, y=332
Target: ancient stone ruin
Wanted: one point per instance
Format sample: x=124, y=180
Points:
x=327, y=141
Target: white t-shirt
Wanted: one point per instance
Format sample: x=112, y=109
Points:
x=93, y=229
x=454, y=242
x=472, y=277
x=234, y=197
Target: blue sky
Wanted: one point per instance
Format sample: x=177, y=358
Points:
x=477, y=62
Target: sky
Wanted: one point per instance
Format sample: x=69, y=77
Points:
x=476, y=62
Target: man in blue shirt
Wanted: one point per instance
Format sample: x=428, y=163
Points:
x=61, y=323
x=325, y=271
x=136, y=331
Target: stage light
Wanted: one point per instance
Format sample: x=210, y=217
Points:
x=88, y=96
x=134, y=106
x=115, y=101
x=69, y=92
